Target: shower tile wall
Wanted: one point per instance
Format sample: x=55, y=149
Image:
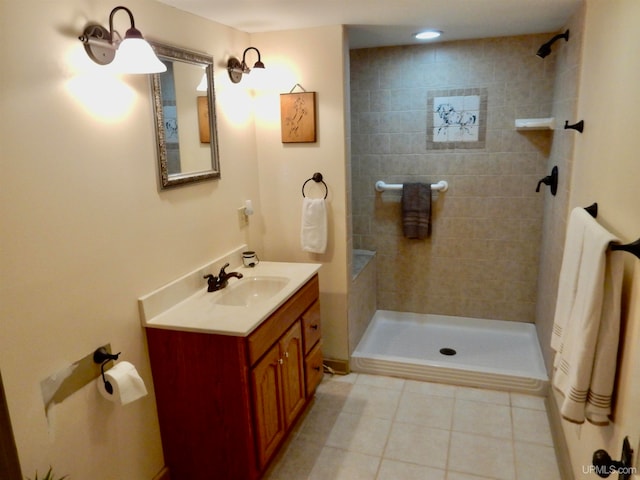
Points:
x=565, y=106
x=482, y=257
x=362, y=297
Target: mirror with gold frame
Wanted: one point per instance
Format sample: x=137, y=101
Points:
x=185, y=117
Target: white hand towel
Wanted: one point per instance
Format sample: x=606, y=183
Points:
x=587, y=321
x=313, y=235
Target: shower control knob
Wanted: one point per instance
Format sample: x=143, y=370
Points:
x=605, y=466
x=550, y=180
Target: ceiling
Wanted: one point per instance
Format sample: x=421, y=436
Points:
x=373, y=23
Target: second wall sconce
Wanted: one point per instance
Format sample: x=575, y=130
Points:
x=236, y=68
x=129, y=55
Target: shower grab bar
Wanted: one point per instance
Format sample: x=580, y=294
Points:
x=633, y=247
x=441, y=186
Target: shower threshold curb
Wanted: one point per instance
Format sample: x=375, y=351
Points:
x=404, y=368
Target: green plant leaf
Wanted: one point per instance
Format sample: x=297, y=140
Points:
x=49, y=476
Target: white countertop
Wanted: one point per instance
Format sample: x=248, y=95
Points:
x=199, y=311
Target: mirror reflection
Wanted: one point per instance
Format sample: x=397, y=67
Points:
x=184, y=108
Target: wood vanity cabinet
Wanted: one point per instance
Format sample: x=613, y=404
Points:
x=227, y=403
x=279, y=392
x=313, y=351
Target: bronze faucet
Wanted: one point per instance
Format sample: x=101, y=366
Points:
x=221, y=281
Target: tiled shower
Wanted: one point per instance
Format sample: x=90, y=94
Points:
x=482, y=257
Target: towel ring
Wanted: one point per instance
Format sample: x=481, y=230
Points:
x=317, y=177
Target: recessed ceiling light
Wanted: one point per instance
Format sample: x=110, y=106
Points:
x=428, y=34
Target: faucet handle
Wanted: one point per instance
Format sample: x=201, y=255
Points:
x=222, y=272
x=211, y=282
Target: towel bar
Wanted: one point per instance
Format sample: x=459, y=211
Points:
x=441, y=186
x=633, y=247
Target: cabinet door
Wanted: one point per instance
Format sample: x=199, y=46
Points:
x=270, y=421
x=293, y=387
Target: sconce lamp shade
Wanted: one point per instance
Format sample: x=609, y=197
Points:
x=203, y=86
x=135, y=55
x=129, y=55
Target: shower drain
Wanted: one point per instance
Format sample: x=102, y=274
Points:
x=447, y=351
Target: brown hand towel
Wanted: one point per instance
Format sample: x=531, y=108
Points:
x=416, y=210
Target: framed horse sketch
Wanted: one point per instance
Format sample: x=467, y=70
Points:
x=456, y=118
x=298, y=117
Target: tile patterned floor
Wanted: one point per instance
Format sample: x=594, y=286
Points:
x=366, y=427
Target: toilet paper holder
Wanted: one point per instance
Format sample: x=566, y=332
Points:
x=102, y=356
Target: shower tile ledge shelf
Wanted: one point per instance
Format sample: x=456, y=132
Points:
x=547, y=123
x=185, y=304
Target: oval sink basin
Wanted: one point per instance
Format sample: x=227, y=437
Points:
x=249, y=291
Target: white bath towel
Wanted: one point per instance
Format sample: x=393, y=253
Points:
x=313, y=235
x=587, y=321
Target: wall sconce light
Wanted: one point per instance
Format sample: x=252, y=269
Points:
x=545, y=48
x=236, y=68
x=129, y=55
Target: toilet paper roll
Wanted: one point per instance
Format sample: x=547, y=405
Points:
x=126, y=382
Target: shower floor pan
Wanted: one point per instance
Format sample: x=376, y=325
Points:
x=475, y=352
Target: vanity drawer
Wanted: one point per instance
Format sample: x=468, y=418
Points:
x=311, y=326
x=313, y=368
x=279, y=322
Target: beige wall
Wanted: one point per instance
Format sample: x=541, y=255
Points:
x=481, y=260
x=606, y=170
x=85, y=230
x=312, y=58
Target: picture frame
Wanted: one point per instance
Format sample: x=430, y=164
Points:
x=203, y=120
x=298, y=117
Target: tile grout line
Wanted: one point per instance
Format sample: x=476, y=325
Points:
x=393, y=421
x=404, y=390
x=453, y=414
x=513, y=437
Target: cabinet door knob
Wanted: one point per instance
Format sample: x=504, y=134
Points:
x=286, y=354
x=315, y=327
x=317, y=369
x=280, y=361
